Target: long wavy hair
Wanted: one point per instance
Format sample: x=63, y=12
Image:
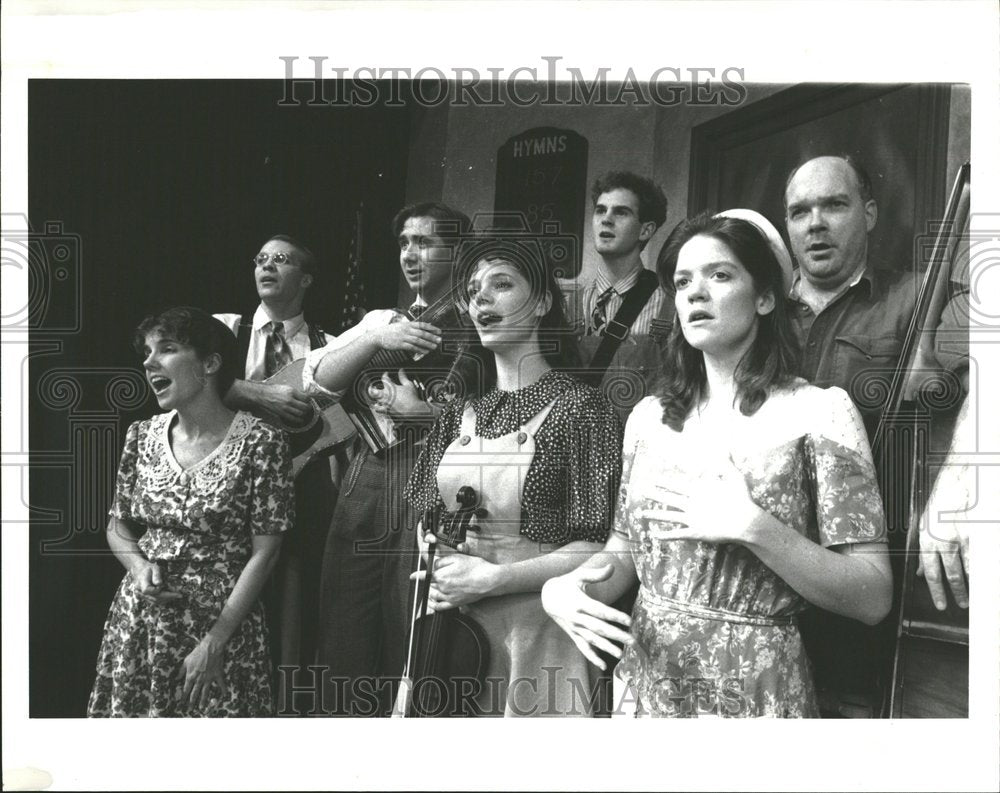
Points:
x=771, y=360
x=557, y=344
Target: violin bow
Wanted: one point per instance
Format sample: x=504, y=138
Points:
x=421, y=594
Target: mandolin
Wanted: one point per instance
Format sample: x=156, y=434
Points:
x=440, y=375
x=329, y=425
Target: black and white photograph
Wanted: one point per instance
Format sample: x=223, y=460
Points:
x=627, y=366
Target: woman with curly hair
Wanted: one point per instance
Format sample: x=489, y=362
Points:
x=202, y=497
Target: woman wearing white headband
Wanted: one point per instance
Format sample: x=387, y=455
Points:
x=746, y=495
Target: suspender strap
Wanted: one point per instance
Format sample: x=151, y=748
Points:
x=317, y=338
x=660, y=325
x=618, y=328
x=243, y=340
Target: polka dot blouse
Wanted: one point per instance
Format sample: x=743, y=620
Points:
x=570, y=487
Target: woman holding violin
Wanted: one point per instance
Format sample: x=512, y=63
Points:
x=541, y=453
x=746, y=495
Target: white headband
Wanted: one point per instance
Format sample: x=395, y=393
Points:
x=773, y=239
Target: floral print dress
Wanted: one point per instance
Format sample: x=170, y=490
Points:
x=200, y=524
x=714, y=627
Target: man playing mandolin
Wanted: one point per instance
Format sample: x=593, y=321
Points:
x=370, y=547
x=277, y=333
x=268, y=340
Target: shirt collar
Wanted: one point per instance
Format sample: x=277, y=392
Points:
x=603, y=280
x=291, y=326
x=867, y=274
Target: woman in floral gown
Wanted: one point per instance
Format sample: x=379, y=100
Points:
x=746, y=495
x=212, y=491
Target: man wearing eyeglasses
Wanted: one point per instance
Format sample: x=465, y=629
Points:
x=275, y=335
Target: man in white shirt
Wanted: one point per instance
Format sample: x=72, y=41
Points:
x=621, y=335
x=371, y=545
x=275, y=335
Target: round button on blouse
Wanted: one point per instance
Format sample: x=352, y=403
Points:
x=464, y=440
x=522, y=436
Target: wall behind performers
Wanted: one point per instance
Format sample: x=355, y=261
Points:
x=463, y=168
x=453, y=151
x=172, y=186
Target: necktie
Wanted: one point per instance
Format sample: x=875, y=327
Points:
x=277, y=354
x=598, y=317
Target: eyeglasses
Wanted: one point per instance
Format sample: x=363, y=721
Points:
x=278, y=258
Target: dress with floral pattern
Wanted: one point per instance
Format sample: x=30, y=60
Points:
x=715, y=628
x=200, y=524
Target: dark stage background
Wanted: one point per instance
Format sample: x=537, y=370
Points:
x=164, y=191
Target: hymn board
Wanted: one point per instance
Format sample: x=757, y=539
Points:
x=542, y=175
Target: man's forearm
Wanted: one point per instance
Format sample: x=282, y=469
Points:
x=245, y=395
x=338, y=368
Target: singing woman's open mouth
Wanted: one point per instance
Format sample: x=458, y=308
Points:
x=159, y=382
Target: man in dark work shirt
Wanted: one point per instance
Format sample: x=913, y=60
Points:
x=851, y=317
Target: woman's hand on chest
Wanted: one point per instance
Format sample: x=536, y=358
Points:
x=717, y=508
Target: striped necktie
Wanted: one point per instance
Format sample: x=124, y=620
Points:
x=277, y=354
x=598, y=317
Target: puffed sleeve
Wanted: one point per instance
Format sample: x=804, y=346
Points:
x=422, y=489
x=272, y=498
x=121, y=507
x=634, y=427
x=231, y=321
x=848, y=503
x=595, y=466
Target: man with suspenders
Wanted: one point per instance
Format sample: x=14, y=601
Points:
x=275, y=335
x=626, y=315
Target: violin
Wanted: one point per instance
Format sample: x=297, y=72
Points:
x=440, y=375
x=448, y=652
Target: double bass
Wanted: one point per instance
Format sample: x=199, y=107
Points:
x=930, y=664
x=448, y=652
x=906, y=651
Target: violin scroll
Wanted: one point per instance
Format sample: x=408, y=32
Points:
x=452, y=526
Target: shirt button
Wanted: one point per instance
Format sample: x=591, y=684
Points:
x=184, y=478
x=522, y=438
x=812, y=344
x=464, y=440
